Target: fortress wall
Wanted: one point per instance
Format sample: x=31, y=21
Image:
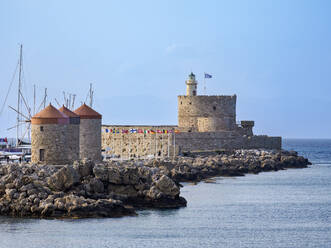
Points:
x=134, y=145
x=208, y=124
x=224, y=140
x=220, y=108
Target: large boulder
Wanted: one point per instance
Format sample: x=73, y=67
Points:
x=167, y=186
x=84, y=167
x=64, y=178
x=96, y=186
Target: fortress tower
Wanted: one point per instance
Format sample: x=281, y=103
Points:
x=191, y=85
x=205, y=113
x=48, y=137
x=89, y=133
x=72, y=134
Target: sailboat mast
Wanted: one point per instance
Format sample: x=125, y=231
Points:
x=19, y=96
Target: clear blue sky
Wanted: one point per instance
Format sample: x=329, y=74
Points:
x=275, y=55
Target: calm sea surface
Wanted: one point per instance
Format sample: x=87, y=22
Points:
x=289, y=208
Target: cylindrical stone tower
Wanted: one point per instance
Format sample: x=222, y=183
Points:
x=48, y=137
x=89, y=133
x=207, y=113
x=72, y=134
x=191, y=85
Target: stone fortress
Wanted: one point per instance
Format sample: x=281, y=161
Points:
x=62, y=136
x=205, y=123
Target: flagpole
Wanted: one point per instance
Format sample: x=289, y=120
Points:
x=113, y=146
x=174, y=142
x=129, y=146
x=155, y=145
x=168, y=145
x=150, y=143
x=121, y=147
x=204, y=83
x=137, y=146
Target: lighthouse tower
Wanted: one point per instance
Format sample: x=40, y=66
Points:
x=191, y=85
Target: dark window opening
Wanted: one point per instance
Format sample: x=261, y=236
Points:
x=41, y=129
x=214, y=107
x=194, y=93
x=42, y=154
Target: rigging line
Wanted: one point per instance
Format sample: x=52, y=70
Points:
x=11, y=83
x=43, y=101
x=25, y=103
x=27, y=118
x=24, y=85
x=15, y=126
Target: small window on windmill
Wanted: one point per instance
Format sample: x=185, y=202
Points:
x=214, y=108
x=41, y=128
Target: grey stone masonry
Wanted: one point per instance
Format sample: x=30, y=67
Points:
x=52, y=139
x=137, y=145
x=206, y=113
x=73, y=142
x=90, y=139
x=133, y=145
x=208, y=141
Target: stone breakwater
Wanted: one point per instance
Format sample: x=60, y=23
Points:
x=115, y=189
x=235, y=163
x=84, y=190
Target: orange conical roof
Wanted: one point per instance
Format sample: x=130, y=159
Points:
x=68, y=112
x=50, y=115
x=85, y=112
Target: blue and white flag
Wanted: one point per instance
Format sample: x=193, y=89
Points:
x=208, y=75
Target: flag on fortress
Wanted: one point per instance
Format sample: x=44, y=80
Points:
x=3, y=140
x=152, y=132
x=140, y=131
x=208, y=75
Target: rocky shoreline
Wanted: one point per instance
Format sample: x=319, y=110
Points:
x=114, y=189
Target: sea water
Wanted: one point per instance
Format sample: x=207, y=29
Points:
x=290, y=208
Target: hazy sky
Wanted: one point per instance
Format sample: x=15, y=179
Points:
x=275, y=55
